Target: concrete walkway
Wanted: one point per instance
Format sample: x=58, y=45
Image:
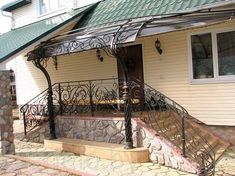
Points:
x=101, y=167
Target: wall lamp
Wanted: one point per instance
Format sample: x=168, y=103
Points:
x=98, y=55
x=158, y=46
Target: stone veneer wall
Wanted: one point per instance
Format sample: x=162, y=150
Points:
x=6, y=120
x=112, y=130
x=38, y=134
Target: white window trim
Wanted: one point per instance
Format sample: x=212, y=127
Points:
x=54, y=12
x=217, y=78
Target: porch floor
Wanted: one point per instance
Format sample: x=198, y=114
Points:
x=102, y=167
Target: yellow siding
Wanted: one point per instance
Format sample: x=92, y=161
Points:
x=74, y=67
x=169, y=73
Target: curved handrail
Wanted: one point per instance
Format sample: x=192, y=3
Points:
x=161, y=111
x=36, y=97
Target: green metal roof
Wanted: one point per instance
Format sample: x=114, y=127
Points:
x=15, y=4
x=110, y=11
x=18, y=39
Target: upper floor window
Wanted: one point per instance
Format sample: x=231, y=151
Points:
x=213, y=56
x=46, y=6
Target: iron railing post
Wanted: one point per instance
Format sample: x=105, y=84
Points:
x=91, y=99
x=24, y=118
x=60, y=100
x=183, y=136
x=128, y=115
x=51, y=114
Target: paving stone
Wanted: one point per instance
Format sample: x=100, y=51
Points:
x=142, y=168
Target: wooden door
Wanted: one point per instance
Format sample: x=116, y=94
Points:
x=134, y=63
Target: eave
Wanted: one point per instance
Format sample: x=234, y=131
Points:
x=15, y=5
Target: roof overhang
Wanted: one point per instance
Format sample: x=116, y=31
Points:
x=15, y=5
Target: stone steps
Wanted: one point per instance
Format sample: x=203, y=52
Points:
x=99, y=149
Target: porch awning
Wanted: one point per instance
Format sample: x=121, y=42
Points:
x=159, y=26
x=82, y=40
x=124, y=32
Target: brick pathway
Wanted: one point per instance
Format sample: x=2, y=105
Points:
x=101, y=167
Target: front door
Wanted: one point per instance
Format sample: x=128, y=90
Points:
x=134, y=63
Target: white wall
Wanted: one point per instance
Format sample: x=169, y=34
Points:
x=5, y=19
x=30, y=13
x=82, y=3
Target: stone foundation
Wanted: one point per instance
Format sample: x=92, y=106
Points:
x=99, y=130
x=38, y=134
x=112, y=130
x=6, y=121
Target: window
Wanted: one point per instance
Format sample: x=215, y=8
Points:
x=47, y=6
x=213, y=56
x=226, y=53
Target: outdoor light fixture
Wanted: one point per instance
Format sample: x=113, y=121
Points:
x=98, y=55
x=158, y=46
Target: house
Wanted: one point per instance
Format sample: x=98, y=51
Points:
x=182, y=49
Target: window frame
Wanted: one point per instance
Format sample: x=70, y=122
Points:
x=217, y=78
x=51, y=11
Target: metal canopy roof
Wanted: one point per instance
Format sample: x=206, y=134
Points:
x=126, y=31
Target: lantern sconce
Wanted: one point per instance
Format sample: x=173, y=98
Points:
x=158, y=46
x=98, y=55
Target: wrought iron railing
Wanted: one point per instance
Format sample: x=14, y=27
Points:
x=80, y=98
x=104, y=98
x=35, y=111
x=173, y=122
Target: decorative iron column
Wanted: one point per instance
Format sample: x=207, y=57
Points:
x=41, y=64
x=127, y=109
x=116, y=52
